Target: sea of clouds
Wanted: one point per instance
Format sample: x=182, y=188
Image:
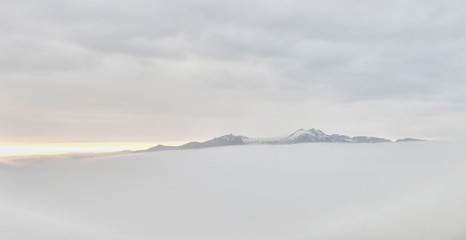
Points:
x=320, y=191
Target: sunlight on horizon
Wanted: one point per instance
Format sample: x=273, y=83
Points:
x=18, y=149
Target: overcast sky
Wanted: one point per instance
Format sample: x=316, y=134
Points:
x=166, y=71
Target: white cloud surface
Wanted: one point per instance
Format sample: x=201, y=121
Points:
x=305, y=191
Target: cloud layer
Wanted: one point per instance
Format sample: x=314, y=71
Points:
x=176, y=70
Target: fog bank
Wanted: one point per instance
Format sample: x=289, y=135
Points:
x=305, y=191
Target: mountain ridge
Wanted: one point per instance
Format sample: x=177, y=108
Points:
x=299, y=136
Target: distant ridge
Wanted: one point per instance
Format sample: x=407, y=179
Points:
x=408, y=140
x=299, y=136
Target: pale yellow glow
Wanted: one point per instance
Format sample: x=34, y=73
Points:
x=17, y=149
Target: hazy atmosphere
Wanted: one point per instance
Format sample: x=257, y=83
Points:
x=232, y=120
x=172, y=71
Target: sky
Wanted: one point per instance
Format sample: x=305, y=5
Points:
x=175, y=71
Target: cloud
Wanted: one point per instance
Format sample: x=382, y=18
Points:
x=190, y=62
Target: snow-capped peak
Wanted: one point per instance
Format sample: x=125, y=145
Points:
x=302, y=132
x=299, y=136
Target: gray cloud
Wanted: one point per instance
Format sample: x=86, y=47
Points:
x=182, y=69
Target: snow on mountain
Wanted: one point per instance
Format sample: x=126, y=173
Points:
x=299, y=136
x=226, y=140
x=315, y=135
